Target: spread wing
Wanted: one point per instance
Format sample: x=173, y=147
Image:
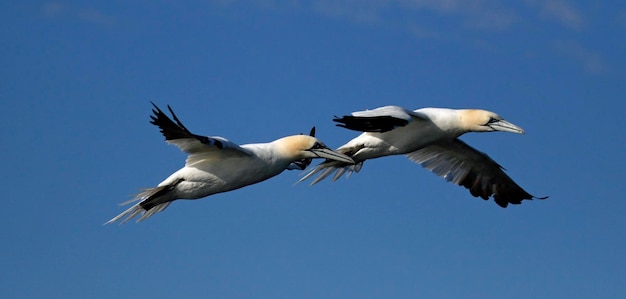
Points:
x=197, y=146
x=463, y=165
x=381, y=119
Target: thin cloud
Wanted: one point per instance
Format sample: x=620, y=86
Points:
x=478, y=14
x=559, y=11
x=485, y=15
x=421, y=32
x=491, y=15
x=53, y=9
x=591, y=61
x=94, y=16
x=58, y=10
x=358, y=11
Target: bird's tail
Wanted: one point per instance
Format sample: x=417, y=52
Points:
x=151, y=201
x=330, y=167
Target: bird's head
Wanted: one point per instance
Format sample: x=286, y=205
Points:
x=301, y=148
x=475, y=120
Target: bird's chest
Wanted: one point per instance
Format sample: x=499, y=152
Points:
x=400, y=141
x=408, y=139
x=235, y=173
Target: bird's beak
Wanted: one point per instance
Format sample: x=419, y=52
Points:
x=331, y=155
x=505, y=126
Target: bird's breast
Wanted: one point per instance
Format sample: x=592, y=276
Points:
x=206, y=178
x=402, y=140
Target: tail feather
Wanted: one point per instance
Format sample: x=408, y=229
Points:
x=154, y=210
x=327, y=168
x=324, y=174
x=151, y=201
x=133, y=211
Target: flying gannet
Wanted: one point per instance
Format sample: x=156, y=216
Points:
x=428, y=136
x=215, y=164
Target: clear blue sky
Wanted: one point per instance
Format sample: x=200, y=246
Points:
x=76, y=84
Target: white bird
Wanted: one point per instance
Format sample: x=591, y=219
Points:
x=429, y=136
x=216, y=165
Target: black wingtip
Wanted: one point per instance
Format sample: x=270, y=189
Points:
x=378, y=124
x=170, y=129
x=157, y=112
x=171, y=111
x=505, y=201
x=312, y=133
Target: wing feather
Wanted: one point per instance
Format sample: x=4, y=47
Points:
x=459, y=163
x=197, y=146
x=381, y=119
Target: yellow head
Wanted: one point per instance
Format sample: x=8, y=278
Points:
x=298, y=147
x=476, y=120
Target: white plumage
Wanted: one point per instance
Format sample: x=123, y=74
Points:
x=216, y=165
x=428, y=136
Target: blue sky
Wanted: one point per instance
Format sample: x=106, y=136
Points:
x=78, y=78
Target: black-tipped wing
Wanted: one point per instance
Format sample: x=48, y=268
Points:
x=380, y=120
x=463, y=165
x=176, y=133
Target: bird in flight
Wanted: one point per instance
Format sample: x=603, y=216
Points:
x=428, y=136
x=215, y=164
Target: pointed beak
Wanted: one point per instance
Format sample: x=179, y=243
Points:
x=331, y=155
x=505, y=126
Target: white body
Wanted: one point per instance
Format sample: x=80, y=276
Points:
x=216, y=165
x=221, y=173
x=428, y=136
x=433, y=125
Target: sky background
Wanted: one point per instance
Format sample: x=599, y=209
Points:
x=76, y=83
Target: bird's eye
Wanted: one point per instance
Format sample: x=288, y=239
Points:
x=318, y=145
x=492, y=120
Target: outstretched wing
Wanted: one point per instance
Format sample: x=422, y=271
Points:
x=380, y=120
x=463, y=165
x=197, y=146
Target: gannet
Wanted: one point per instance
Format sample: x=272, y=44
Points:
x=215, y=164
x=428, y=136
